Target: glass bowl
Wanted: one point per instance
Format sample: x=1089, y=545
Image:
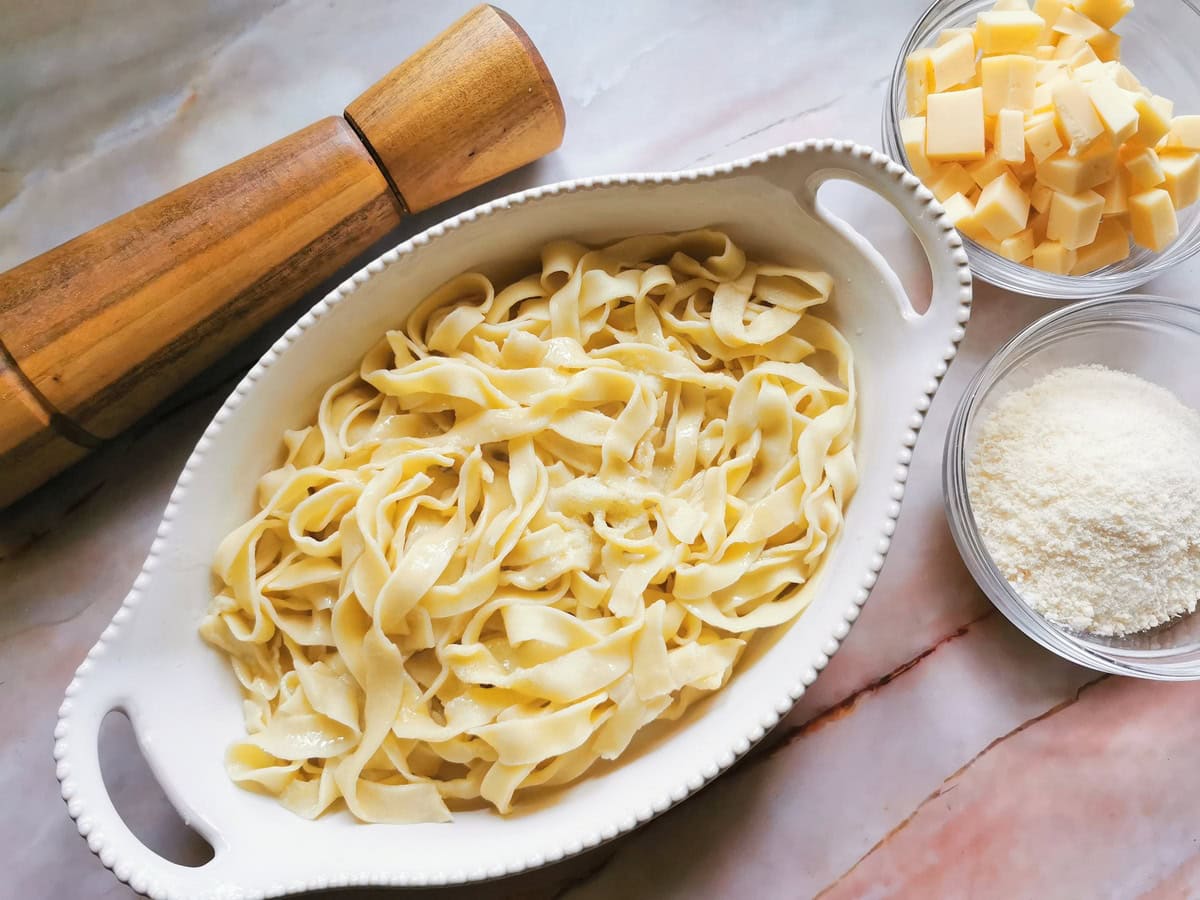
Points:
x=1160, y=43
x=1155, y=338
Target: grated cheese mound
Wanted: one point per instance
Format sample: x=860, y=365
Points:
x=1086, y=488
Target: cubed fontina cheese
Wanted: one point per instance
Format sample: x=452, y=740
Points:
x=1045, y=149
x=950, y=179
x=1111, y=245
x=1050, y=10
x=1009, y=139
x=1008, y=82
x=1070, y=22
x=1019, y=247
x=1107, y=46
x=1181, y=177
x=1105, y=13
x=988, y=169
x=912, y=135
x=958, y=209
x=1145, y=170
x=1072, y=174
x=1008, y=31
x=1115, y=192
x=1042, y=137
x=1040, y=196
x=918, y=80
x=1003, y=208
x=1152, y=124
x=1074, y=218
x=1053, y=257
x=1152, y=219
x=953, y=63
x=954, y=126
x=946, y=35
x=1076, y=115
x=1114, y=108
x=1185, y=132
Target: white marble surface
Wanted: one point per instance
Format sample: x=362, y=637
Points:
x=940, y=753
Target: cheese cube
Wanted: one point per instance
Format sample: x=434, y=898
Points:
x=1009, y=136
x=1043, y=98
x=1024, y=171
x=1105, y=13
x=1084, y=56
x=1126, y=79
x=1182, y=177
x=1053, y=257
x=987, y=169
x=946, y=35
x=1074, y=218
x=1115, y=109
x=950, y=179
x=953, y=62
x=1019, y=247
x=1152, y=124
x=1040, y=196
x=1037, y=224
x=1094, y=70
x=1048, y=70
x=1003, y=208
x=1050, y=10
x=1072, y=174
x=1186, y=132
x=1152, y=219
x=971, y=228
x=918, y=79
x=912, y=135
x=1042, y=138
x=1110, y=246
x=1008, y=82
x=1145, y=170
x=1071, y=22
x=954, y=126
x=1068, y=46
x=1076, y=115
x=958, y=209
x=1115, y=192
x=1008, y=31
x=1107, y=46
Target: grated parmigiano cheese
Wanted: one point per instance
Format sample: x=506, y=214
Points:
x=1086, y=489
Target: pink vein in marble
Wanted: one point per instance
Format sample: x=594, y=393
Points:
x=1097, y=800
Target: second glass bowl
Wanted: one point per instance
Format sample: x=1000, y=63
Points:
x=1160, y=43
x=1155, y=338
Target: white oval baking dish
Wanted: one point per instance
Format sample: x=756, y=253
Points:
x=182, y=698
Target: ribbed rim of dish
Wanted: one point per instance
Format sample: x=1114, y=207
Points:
x=145, y=882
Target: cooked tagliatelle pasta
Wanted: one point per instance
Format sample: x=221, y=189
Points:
x=534, y=521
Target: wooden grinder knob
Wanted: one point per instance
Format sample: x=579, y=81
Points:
x=98, y=331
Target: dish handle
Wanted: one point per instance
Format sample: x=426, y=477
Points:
x=817, y=162
x=96, y=691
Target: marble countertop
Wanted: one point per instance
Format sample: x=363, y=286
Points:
x=940, y=754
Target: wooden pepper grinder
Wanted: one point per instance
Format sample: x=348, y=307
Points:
x=98, y=331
